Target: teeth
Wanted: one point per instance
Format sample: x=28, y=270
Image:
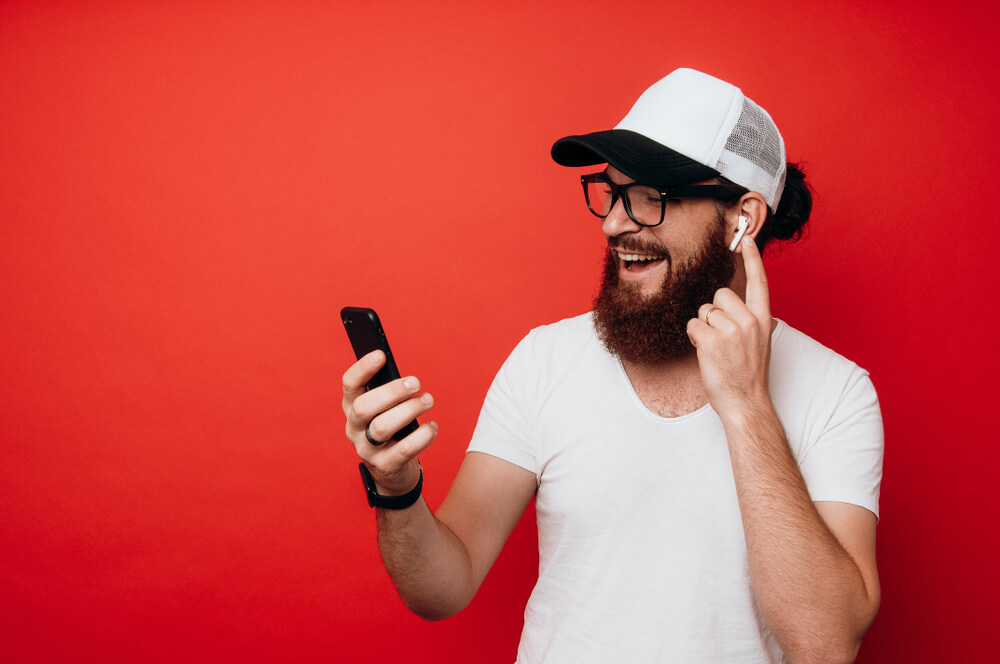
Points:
x=637, y=257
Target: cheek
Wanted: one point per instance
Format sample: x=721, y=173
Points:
x=682, y=248
x=684, y=228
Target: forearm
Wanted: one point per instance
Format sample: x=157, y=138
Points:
x=810, y=591
x=427, y=563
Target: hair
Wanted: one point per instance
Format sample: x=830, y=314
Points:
x=788, y=222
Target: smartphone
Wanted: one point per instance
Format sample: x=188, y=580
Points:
x=366, y=334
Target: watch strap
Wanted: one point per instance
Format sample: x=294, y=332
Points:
x=375, y=499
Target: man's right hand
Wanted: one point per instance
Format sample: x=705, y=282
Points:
x=437, y=561
x=383, y=411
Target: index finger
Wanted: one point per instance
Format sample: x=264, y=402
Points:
x=356, y=378
x=758, y=298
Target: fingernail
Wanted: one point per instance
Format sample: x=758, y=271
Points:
x=747, y=240
x=434, y=425
x=411, y=383
x=426, y=399
x=375, y=358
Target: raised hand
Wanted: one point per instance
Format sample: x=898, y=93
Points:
x=733, y=340
x=380, y=413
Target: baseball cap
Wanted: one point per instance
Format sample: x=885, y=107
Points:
x=688, y=126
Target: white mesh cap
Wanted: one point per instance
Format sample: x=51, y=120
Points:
x=713, y=123
x=754, y=155
x=688, y=125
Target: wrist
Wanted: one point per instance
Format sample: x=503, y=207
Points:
x=399, y=482
x=392, y=501
x=747, y=413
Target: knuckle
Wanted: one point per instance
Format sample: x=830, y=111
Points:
x=347, y=402
x=722, y=294
x=348, y=433
x=408, y=448
x=417, y=441
x=351, y=380
x=362, y=410
x=378, y=430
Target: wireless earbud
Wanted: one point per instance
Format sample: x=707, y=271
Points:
x=740, y=230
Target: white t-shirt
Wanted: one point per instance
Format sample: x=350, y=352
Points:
x=641, y=549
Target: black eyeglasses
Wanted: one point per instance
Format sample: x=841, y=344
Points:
x=645, y=205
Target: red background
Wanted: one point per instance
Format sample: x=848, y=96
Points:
x=189, y=193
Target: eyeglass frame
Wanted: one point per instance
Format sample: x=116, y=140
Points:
x=620, y=191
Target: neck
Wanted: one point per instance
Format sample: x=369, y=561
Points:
x=670, y=388
x=687, y=361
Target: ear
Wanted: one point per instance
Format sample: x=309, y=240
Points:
x=753, y=208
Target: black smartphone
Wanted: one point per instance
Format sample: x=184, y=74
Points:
x=366, y=334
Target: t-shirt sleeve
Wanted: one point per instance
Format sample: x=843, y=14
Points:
x=845, y=462
x=506, y=422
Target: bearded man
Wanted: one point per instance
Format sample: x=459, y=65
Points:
x=706, y=477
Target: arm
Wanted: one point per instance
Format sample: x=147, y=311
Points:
x=436, y=562
x=812, y=566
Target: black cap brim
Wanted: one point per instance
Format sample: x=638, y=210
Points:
x=641, y=158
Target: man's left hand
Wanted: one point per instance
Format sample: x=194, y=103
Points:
x=733, y=341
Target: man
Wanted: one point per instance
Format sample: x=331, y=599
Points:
x=706, y=477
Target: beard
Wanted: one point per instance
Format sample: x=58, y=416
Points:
x=648, y=329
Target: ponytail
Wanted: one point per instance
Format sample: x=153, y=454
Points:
x=788, y=222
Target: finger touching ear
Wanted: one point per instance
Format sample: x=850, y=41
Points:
x=758, y=298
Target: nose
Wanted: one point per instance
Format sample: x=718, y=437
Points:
x=618, y=222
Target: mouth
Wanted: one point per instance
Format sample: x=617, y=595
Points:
x=638, y=262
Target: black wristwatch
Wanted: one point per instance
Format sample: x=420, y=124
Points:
x=375, y=499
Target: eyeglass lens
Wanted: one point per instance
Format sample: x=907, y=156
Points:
x=644, y=203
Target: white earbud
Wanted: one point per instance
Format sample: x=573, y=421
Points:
x=740, y=230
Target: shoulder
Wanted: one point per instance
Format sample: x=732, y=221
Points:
x=567, y=337
x=808, y=378
x=557, y=348
x=796, y=353
x=815, y=389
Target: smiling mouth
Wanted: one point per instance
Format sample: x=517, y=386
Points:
x=635, y=262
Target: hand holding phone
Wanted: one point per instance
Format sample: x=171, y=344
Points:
x=366, y=334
